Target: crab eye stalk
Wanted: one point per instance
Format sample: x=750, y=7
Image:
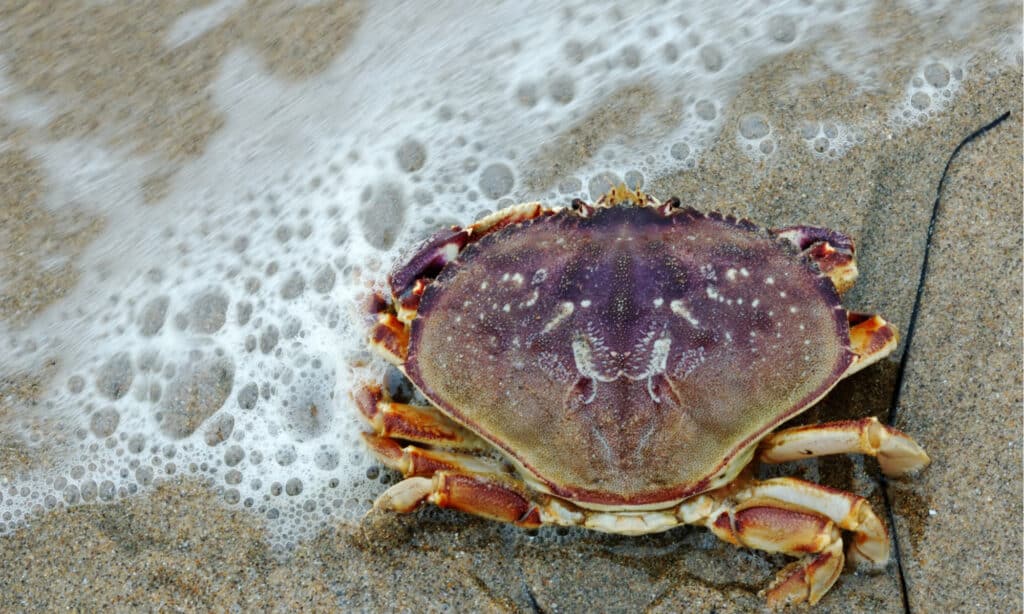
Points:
x=669, y=206
x=582, y=208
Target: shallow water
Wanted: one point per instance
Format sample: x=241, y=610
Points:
x=191, y=244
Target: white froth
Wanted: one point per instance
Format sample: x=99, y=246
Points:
x=243, y=287
x=930, y=90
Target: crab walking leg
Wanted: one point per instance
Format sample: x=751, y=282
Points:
x=782, y=515
x=848, y=511
x=413, y=460
x=774, y=525
x=871, y=339
x=746, y=519
x=390, y=338
x=487, y=495
x=411, y=422
x=897, y=453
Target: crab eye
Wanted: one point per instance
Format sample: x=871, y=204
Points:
x=581, y=207
x=670, y=206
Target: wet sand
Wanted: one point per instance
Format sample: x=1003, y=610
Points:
x=959, y=394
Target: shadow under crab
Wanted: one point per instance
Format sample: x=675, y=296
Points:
x=628, y=361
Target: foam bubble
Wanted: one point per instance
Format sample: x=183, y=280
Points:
x=562, y=89
x=114, y=378
x=194, y=395
x=496, y=180
x=411, y=155
x=382, y=213
x=753, y=135
x=782, y=29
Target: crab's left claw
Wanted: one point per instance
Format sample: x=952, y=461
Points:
x=832, y=251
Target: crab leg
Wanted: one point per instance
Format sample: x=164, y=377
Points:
x=848, y=511
x=415, y=461
x=781, y=515
x=897, y=453
x=491, y=496
x=411, y=422
x=773, y=525
x=797, y=518
x=390, y=337
x=871, y=339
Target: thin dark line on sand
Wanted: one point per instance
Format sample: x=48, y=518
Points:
x=911, y=328
x=534, y=605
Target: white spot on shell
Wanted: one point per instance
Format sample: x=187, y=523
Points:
x=539, y=276
x=731, y=274
x=506, y=308
x=585, y=303
x=769, y=280
x=483, y=285
x=565, y=310
x=793, y=309
x=658, y=302
x=679, y=308
x=755, y=302
x=711, y=292
x=744, y=272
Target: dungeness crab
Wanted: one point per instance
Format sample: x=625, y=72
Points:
x=628, y=361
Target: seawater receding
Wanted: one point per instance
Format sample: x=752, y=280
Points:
x=216, y=328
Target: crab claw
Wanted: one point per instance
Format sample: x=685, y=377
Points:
x=807, y=579
x=832, y=251
x=431, y=256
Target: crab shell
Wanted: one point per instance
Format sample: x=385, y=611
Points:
x=629, y=360
x=630, y=357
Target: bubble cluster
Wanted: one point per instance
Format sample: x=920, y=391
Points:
x=754, y=135
x=928, y=92
x=829, y=139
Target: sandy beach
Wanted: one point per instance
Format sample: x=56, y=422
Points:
x=939, y=252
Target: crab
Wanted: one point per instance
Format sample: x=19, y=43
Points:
x=622, y=366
